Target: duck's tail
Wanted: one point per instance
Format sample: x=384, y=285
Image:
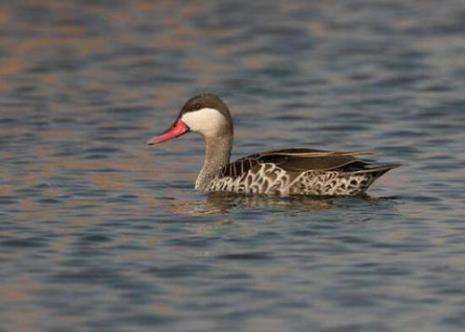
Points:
x=377, y=170
x=373, y=172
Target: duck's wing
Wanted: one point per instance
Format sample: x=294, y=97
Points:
x=299, y=160
x=311, y=153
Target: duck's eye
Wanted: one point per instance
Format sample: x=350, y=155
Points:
x=196, y=107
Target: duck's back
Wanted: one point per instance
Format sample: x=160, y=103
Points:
x=299, y=171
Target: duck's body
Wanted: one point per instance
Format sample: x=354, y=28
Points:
x=280, y=172
x=298, y=172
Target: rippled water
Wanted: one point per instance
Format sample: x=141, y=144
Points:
x=100, y=232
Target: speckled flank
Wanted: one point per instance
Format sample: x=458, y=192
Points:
x=273, y=180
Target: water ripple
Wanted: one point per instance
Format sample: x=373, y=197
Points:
x=102, y=233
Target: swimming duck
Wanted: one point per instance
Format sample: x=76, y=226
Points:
x=284, y=172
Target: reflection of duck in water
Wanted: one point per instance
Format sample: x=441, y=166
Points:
x=219, y=203
x=284, y=172
x=224, y=202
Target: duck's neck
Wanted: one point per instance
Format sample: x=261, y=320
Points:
x=217, y=154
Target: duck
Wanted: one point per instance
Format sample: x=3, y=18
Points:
x=280, y=172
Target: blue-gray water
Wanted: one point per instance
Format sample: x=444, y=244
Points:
x=99, y=232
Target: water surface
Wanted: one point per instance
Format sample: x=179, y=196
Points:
x=99, y=232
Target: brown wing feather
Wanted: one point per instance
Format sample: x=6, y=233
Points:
x=298, y=160
x=301, y=159
x=303, y=152
x=306, y=163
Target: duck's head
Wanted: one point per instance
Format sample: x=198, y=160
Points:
x=205, y=114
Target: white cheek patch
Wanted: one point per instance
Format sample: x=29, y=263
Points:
x=206, y=121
